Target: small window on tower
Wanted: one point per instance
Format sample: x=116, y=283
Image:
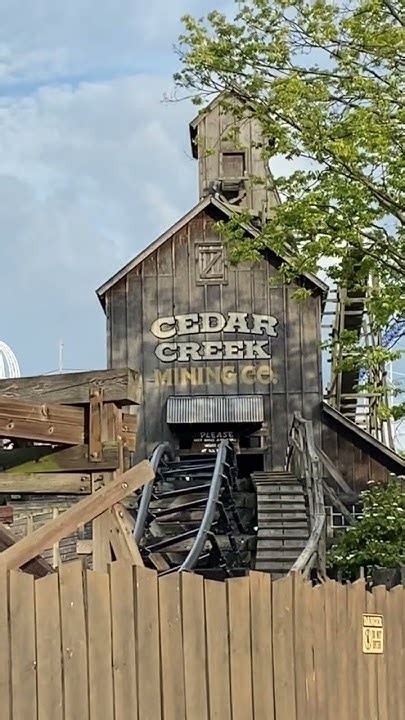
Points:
x=233, y=164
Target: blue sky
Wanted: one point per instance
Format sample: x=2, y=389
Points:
x=94, y=164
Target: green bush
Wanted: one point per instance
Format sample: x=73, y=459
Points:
x=378, y=539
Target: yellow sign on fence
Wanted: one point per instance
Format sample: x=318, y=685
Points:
x=373, y=634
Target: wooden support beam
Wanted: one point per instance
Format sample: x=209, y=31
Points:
x=82, y=512
x=101, y=529
x=44, y=483
x=121, y=536
x=121, y=386
x=42, y=423
x=159, y=562
x=39, y=459
x=129, y=430
x=37, y=566
x=95, y=421
x=84, y=547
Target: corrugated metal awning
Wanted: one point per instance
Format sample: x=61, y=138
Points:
x=206, y=409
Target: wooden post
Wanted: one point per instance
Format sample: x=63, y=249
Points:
x=109, y=531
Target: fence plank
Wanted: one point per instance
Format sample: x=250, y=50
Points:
x=319, y=638
x=380, y=594
x=147, y=636
x=123, y=639
x=240, y=648
x=361, y=668
x=100, y=646
x=5, y=678
x=332, y=669
x=194, y=646
x=353, y=646
x=171, y=648
x=305, y=686
x=401, y=622
x=283, y=648
x=74, y=646
x=23, y=647
x=49, y=647
x=302, y=635
x=342, y=677
x=213, y=653
x=217, y=650
x=371, y=665
x=262, y=647
x=395, y=654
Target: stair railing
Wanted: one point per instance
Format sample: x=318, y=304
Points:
x=303, y=460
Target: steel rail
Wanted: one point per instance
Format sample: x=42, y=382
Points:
x=211, y=506
x=162, y=450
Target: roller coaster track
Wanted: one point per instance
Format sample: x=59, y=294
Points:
x=187, y=517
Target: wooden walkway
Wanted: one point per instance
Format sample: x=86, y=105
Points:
x=283, y=527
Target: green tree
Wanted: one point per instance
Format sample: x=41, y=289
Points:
x=378, y=539
x=325, y=79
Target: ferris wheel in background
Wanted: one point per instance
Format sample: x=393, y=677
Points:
x=9, y=367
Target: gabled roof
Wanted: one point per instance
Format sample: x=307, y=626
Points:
x=227, y=211
x=387, y=457
x=152, y=247
x=211, y=105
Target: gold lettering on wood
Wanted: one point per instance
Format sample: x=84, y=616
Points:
x=227, y=375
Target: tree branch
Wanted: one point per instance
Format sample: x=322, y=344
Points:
x=390, y=7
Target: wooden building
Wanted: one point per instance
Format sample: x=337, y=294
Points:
x=201, y=350
x=226, y=350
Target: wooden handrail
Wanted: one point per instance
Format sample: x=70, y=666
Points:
x=302, y=454
x=334, y=473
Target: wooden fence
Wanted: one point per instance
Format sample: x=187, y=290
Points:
x=125, y=645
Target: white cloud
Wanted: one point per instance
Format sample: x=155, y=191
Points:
x=47, y=39
x=89, y=176
x=94, y=165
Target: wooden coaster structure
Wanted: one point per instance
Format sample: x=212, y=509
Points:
x=71, y=434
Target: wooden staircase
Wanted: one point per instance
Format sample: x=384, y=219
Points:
x=283, y=528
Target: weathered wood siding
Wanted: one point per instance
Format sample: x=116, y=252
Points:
x=216, y=135
x=358, y=464
x=165, y=285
